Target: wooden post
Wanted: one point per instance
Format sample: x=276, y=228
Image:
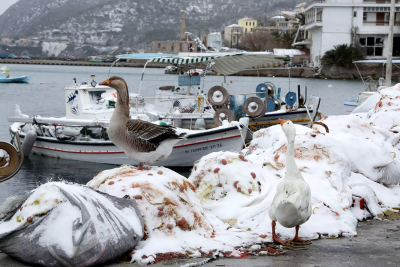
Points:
x=388, y=77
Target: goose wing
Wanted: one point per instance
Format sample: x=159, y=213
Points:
x=300, y=196
x=150, y=132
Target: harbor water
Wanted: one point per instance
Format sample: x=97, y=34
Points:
x=44, y=96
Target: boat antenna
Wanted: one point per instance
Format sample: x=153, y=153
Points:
x=112, y=65
x=141, y=80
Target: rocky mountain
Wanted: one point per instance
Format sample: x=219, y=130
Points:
x=95, y=26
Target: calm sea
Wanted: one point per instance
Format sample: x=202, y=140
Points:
x=44, y=95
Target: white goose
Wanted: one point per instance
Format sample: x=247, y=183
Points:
x=291, y=205
x=142, y=141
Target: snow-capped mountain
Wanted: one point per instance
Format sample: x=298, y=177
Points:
x=107, y=24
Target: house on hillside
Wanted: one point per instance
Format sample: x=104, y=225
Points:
x=248, y=24
x=233, y=34
x=278, y=23
x=172, y=47
x=6, y=40
x=361, y=23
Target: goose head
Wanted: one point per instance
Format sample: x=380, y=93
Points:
x=288, y=128
x=120, y=85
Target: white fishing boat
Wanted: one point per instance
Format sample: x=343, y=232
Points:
x=82, y=134
x=371, y=86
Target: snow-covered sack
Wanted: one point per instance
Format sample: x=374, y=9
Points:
x=62, y=224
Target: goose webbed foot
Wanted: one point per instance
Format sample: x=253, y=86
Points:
x=296, y=237
x=275, y=237
x=140, y=167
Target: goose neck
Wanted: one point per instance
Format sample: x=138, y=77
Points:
x=122, y=101
x=292, y=171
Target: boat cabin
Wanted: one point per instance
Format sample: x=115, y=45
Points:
x=89, y=101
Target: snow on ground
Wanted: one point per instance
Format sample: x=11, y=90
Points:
x=52, y=48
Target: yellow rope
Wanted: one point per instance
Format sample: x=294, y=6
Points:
x=270, y=164
x=313, y=211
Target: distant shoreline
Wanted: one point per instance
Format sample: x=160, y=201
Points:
x=78, y=63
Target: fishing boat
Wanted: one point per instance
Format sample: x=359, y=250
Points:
x=371, y=86
x=82, y=133
x=184, y=103
x=6, y=78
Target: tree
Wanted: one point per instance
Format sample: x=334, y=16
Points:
x=284, y=38
x=257, y=41
x=301, y=19
x=277, y=36
x=342, y=55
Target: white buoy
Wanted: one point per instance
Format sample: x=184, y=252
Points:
x=330, y=85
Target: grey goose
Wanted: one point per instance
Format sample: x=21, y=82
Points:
x=142, y=141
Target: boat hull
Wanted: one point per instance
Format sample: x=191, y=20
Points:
x=351, y=102
x=22, y=79
x=184, y=154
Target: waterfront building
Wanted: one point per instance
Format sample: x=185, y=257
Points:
x=233, y=34
x=248, y=24
x=361, y=23
x=214, y=40
x=172, y=47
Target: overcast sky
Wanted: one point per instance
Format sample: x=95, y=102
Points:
x=6, y=4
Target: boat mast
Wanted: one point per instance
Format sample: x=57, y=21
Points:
x=390, y=46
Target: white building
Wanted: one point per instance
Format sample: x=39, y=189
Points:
x=214, y=40
x=233, y=35
x=299, y=8
x=282, y=22
x=362, y=23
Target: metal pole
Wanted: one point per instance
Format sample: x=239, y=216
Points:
x=388, y=77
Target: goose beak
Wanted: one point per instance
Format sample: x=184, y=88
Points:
x=106, y=82
x=282, y=121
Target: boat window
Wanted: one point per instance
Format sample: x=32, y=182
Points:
x=362, y=41
x=95, y=96
x=370, y=41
